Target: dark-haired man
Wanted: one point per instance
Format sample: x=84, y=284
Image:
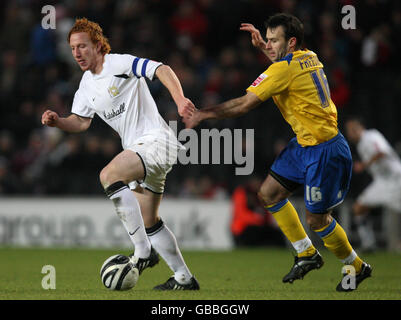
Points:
x=318, y=158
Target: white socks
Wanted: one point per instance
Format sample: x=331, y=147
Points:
x=301, y=245
x=158, y=236
x=129, y=212
x=165, y=243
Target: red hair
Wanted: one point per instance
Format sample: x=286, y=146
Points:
x=94, y=31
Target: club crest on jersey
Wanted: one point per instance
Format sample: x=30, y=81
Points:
x=113, y=91
x=259, y=80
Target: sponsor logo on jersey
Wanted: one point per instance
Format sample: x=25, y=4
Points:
x=259, y=80
x=115, y=112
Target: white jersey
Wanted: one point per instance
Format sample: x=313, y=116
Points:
x=120, y=96
x=371, y=143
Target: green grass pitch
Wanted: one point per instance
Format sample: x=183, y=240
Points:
x=246, y=274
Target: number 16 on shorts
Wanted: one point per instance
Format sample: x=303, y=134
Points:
x=313, y=194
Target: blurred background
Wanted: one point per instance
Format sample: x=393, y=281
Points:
x=215, y=61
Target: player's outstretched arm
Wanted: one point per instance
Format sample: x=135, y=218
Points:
x=72, y=123
x=229, y=109
x=170, y=80
x=256, y=38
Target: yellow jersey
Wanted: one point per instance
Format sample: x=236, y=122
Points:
x=299, y=88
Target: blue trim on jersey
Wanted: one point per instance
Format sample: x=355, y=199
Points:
x=319, y=88
x=287, y=58
x=277, y=206
x=328, y=229
x=143, y=71
x=134, y=65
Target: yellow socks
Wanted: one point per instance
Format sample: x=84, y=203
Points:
x=289, y=223
x=335, y=240
x=333, y=235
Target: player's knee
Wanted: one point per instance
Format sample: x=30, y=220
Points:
x=107, y=177
x=269, y=198
x=103, y=177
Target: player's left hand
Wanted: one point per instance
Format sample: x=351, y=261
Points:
x=185, y=108
x=256, y=37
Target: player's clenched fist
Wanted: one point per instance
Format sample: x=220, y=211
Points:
x=50, y=118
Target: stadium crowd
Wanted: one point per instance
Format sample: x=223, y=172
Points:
x=215, y=61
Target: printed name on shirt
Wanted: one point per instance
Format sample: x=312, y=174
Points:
x=308, y=61
x=259, y=80
x=114, y=113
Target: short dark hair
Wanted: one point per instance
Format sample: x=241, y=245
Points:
x=292, y=26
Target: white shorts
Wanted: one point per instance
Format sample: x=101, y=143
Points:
x=158, y=157
x=385, y=193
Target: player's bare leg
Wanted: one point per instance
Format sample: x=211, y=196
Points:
x=274, y=197
x=336, y=241
x=271, y=192
x=164, y=241
x=126, y=167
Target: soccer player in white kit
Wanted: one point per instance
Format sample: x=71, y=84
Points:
x=384, y=165
x=113, y=86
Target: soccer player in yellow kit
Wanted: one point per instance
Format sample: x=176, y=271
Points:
x=318, y=157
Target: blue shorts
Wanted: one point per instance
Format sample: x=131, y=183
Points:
x=324, y=170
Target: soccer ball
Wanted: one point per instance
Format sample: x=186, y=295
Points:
x=119, y=273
